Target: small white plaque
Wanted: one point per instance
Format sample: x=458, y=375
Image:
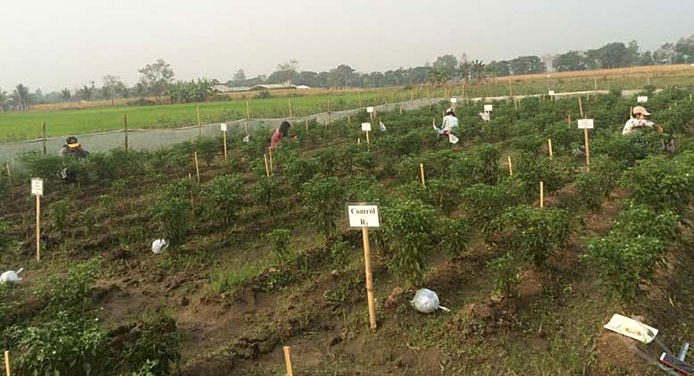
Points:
x=585, y=123
x=223, y=127
x=488, y=107
x=363, y=215
x=551, y=92
x=37, y=186
x=369, y=109
x=642, y=99
x=453, y=100
x=366, y=127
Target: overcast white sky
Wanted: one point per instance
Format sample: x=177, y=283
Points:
x=53, y=44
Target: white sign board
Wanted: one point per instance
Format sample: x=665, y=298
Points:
x=37, y=186
x=366, y=127
x=223, y=127
x=363, y=215
x=642, y=99
x=585, y=123
x=488, y=107
x=369, y=109
x=551, y=92
x=453, y=100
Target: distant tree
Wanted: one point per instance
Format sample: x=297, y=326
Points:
x=156, y=78
x=611, y=55
x=570, y=61
x=375, y=79
x=446, y=66
x=308, y=78
x=21, y=98
x=477, y=70
x=666, y=54
x=240, y=75
x=646, y=58
x=341, y=76
x=38, y=95
x=465, y=70
x=684, y=48
x=193, y=91
x=111, y=87
x=65, y=94
x=87, y=92
x=4, y=100
x=286, y=72
x=633, y=55
x=527, y=65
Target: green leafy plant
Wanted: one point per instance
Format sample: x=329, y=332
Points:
x=279, y=243
x=339, y=252
x=324, y=197
x=155, y=347
x=223, y=197
x=662, y=183
x=453, y=234
x=506, y=272
x=59, y=213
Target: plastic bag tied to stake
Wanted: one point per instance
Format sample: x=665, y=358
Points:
x=11, y=276
x=426, y=301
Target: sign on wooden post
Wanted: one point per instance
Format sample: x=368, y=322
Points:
x=37, y=190
x=223, y=127
x=642, y=99
x=364, y=216
x=366, y=127
x=586, y=124
x=488, y=107
x=288, y=361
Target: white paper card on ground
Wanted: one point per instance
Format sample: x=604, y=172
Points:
x=631, y=328
x=453, y=100
x=488, y=107
x=585, y=123
x=37, y=186
x=223, y=127
x=369, y=109
x=642, y=99
x=485, y=116
x=551, y=92
x=363, y=215
x=453, y=139
x=366, y=127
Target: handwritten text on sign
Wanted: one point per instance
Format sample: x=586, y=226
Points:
x=488, y=107
x=363, y=215
x=585, y=123
x=37, y=186
x=366, y=127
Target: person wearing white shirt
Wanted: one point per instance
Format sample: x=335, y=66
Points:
x=639, y=121
x=450, y=122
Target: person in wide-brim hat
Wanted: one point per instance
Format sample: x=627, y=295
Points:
x=639, y=121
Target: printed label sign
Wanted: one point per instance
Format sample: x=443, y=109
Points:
x=366, y=127
x=642, y=99
x=488, y=107
x=37, y=186
x=369, y=109
x=585, y=123
x=453, y=100
x=223, y=127
x=363, y=215
x=551, y=92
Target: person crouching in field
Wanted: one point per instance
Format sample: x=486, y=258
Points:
x=280, y=133
x=450, y=122
x=639, y=122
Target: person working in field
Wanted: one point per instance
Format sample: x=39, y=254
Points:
x=639, y=122
x=280, y=133
x=73, y=149
x=450, y=122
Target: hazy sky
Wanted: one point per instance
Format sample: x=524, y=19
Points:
x=53, y=44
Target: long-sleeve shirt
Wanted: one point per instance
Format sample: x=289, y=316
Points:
x=634, y=123
x=449, y=122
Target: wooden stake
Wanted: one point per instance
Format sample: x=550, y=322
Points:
x=595, y=82
x=580, y=106
x=38, y=227
x=359, y=92
x=510, y=166
x=306, y=125
x=587, y=144
x=631, y=112
x=568, y=120
x=542, y=194
x=289, y=100
x=421, y=173
x=411, y=99
x=400, y=109
x=329, y=114
x=369, y=278
x=197, y=169
x=270, y=161
x=7, y=363
x=549, y=143
x=267, y=169
x=367, y=141
x=125, y=130
x=199, y=123
x=9, y=172
x=359, y=143
x=224, y=136
x=44, y=138
x=510, y=90
x=288, y=361
x=349, y=119
x=248, y=116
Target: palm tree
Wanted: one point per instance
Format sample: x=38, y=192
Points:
x=21, y=97
x=3, y=100
x=65, y=94
x=477, y=70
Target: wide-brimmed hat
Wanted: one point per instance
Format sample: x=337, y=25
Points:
x=640, y=110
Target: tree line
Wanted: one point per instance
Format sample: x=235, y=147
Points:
x=157, y=79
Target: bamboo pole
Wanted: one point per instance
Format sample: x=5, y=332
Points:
x=125, y=130
x=585, y=136
x=38, y=227
x=549, y=143
x=421, y=173
x=43, y=140
x=270, y=160
x=411, y=99
x=595, y=82
x=224, y=136
x=7, y=363
x=9, y=172
x=197, y=168
x=289, y=100
x=306, y=125
x=248, y=116
x=580, y=106
x=267, y=169
x=359, y=143
x=369, y=278
x=510, y=166
x=288, y=361
x=542, y=194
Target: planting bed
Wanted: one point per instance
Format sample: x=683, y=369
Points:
x=259, y=262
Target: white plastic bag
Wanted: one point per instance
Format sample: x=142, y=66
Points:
x=485, y=116
x=453, y=139
x=247, y=138
x=159, y=246
x=382, y=126
x=426, y=301
x=10, y=276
